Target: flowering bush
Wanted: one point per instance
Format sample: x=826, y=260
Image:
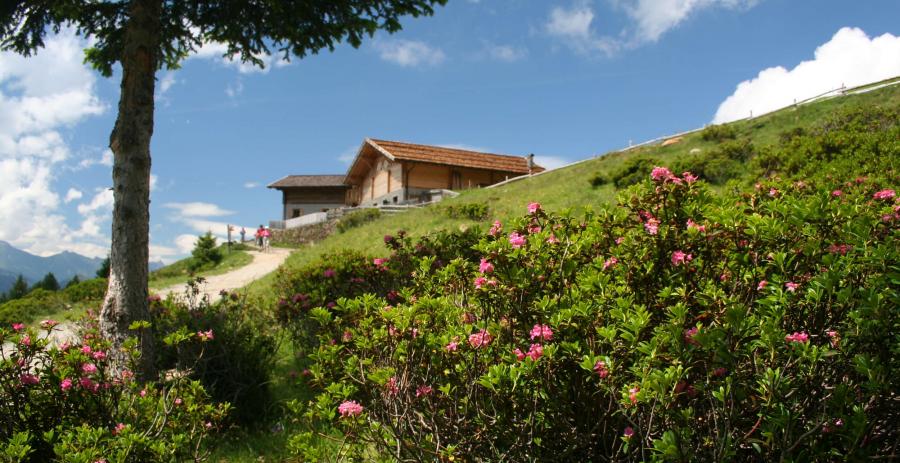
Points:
x=674, y=326
x=65, y=403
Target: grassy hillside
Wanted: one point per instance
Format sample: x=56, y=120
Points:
x=570, y=187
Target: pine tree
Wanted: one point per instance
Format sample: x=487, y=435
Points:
x=103, y=271
x=49, y=282
x=74, y=281
x=19, y=288
x=206, y=252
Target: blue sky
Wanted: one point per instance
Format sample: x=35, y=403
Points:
x=562, y=79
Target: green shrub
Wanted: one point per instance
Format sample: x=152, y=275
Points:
x=633, y=171
x=599, y=179
x=471, y=211
x=675, y=326
x=27, y=309
x=205, y=253
x=358, y=218
x=88, y=290
x=718, y=133
x=67, y=404
x=229, y=347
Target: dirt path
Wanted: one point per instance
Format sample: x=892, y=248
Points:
x=262, y=264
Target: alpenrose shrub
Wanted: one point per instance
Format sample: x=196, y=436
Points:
x=675, y=326
x=65, y=404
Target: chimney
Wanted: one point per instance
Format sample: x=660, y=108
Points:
x=530, y=163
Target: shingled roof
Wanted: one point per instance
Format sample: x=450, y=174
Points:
x=309, y=181
x=395, y=150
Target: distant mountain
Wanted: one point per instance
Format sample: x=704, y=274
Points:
x=64, y=266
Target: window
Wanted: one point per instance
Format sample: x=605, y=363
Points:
x=296, y=213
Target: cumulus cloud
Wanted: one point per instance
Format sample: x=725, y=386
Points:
x=216, y=52
x=647, y=21
x=850, y=58
x=35, y=107
x=249, y=185
x=409, y=53
x=185, y=243
x=73, y=194
x=199, y=217
x=198, y=209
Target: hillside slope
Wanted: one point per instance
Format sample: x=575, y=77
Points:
x=570, y=187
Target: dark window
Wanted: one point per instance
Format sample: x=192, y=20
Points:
x=296, y=213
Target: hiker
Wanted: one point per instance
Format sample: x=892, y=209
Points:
x=259, y=236
x=266, y=234
x=243, y=232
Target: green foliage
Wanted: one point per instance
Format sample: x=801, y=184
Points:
x=471, y=211
x=19, y=288
x=743, y=327
x=26, y=309
x=718, y=133
x=633, y=170
x=67, y=404
x=229, y=347
x=48, y=283
x=103, y=271
x=88, y=290
x=357, y=218
x=599, y=179
x=206, y=253
x=73, y=281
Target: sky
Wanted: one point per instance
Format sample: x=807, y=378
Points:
x=563, y=79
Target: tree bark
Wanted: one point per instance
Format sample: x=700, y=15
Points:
x=126, y=298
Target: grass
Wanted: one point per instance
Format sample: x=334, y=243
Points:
x=567, y=187
x=180, y=272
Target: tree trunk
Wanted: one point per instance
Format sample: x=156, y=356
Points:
x=126, y=298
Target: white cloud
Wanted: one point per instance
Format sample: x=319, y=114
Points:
x=198, y=209
x=505, y=53
x=40, y=96
x=573, y=27
x=850, y=58
x=216, y=51
x=185, y=243
x=105, y=159
x=648, y=21
x=167, y=81
x=234, y=90
x=73, y=194
x=101, y=201
x=250, y=185
x=409, y=53
x=551, y=162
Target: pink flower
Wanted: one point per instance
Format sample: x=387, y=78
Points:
x=773, y=192
x=392, y=387
x=205, y=335
x=542, y=332
x=28, y=379
x=350, y=408
x=791, y=286
x=533, y=207
x=88, y=384
x=496, y=228
x=612, y=261
x=347, y=336
x=552, y=239
x=26, y=340
x=841, y=249
x=89, y=368
x=661, y=174
x=178, y=401
x=837, y=193
x=18, y=326
x=329, y=273
x=680, y=258
x=379, y=262
x=48, y=324
x=797, y=337
x=691, y=225
x=423, y=390
x=119, y=428
x=600, y=369
x=689, y=336
x=143, y=393
x=516, y=240
x=480, y=339
x=452, y=346
x=628, y=432
x=86, y=349
x=652, y=226
x=519, y=354
x=884, y=194
x=834, y=337
x=479, y=282
x=65, y=384
x=535, y=352
x=99, y=355
x=762, y=285
x=632, y=394
x=485, y=266
x=620, y=240
x=689, y=177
